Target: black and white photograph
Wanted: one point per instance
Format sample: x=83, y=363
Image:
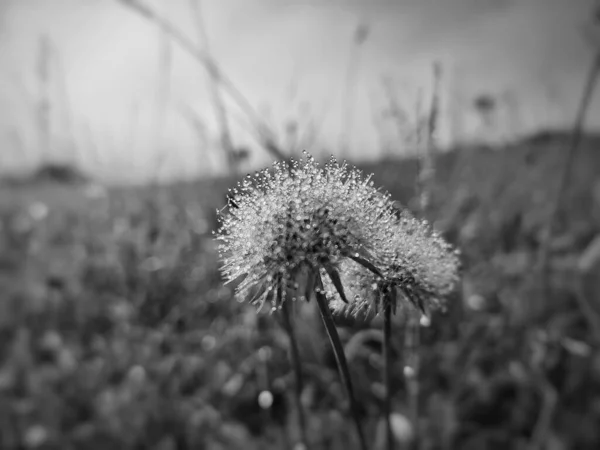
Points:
x=299, y=224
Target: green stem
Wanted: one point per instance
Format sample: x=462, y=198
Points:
x=297, y=365
x=387, y=373
x=338, y=351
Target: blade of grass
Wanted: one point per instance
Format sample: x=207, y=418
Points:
x=338, y=351
x=297, y=365
x=337, y=282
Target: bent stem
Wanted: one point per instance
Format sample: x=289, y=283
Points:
x=340, y=357
x=297, y=366
x=387, y=373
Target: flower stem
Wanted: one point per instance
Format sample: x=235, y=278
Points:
x=338, y=351
x=387, y=373
x=297, y=365
x=411, y=345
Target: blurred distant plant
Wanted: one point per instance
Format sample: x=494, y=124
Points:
x=220, y=81
x=59, y=173
x=571, y=153
x=44, y=104
x=409, y=123
x=485, y=106
x=215, y=89
x=361, y=34
x=427, y=156
x=301, y=229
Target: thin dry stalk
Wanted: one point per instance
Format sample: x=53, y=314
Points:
x=400, y=116
x=44, y=106
x=359, y=38
x=427, y=157
x=340, y=357
x=163, y=91
x=131, y=131
x=65, y=100
x=262, y=374
x=96, y=157
x=565, y=177
x=424, y=186
x=215, y=90
x=200, y=129
x=297, y=366
x=266, y=134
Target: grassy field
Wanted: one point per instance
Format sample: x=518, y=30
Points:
x=116, y=331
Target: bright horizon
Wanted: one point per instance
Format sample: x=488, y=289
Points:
x=290, y=60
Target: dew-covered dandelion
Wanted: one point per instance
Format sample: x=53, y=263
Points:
x=417, y=265
x=301, y=229
x=298, y=221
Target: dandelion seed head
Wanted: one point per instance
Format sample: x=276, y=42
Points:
x=421, y=263
x=417, y=264
x=295, y=218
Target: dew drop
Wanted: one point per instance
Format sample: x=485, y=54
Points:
x=265, y=399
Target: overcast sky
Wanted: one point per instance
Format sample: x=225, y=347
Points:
x=290, y=59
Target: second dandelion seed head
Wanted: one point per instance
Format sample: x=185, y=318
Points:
x=417, y=264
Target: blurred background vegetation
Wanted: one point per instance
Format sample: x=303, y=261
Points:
x=116, y=330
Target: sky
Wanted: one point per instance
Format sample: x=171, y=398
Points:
x=118, y=109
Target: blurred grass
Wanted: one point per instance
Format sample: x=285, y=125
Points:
x=117, y=332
